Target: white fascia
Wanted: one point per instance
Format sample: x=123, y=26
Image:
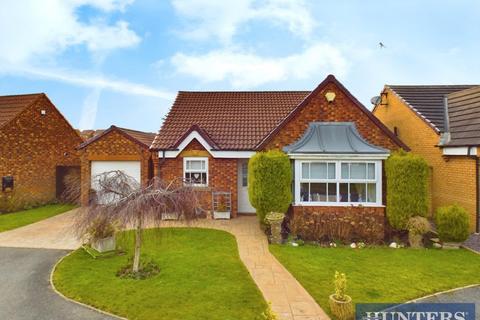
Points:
x=381, y=156
x=208, y=147
x=459, y=151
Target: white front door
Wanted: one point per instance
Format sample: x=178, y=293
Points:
x=244, y=205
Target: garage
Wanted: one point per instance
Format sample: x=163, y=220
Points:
x=131, y=168
x=115, y=149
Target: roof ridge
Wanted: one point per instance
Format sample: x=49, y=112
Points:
x=22, y=94
x=134, y=130
x=245, y=91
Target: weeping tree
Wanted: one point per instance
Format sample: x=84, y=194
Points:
x=121, y=201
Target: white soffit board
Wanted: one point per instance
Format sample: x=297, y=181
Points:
x=459, y=151
x=208, y=147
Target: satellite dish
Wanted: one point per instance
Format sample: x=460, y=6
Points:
x=376, y=100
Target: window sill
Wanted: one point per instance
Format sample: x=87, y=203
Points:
x=337, y=204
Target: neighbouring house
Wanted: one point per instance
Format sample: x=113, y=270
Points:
x=442, y=124
x=37, y=151
x=115, y=149
x=336, y=145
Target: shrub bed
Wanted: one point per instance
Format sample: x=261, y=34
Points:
x=344, y=224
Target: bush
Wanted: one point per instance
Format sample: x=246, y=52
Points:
x=269, y=182
x=407, y=188
x=418, y=225
x=453, y=223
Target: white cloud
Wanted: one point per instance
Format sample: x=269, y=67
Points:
x=247, y=70
x=223, y=19
x=32, y=29
x=90, y=80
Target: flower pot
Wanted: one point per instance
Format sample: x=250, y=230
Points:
x=415, y=240
x=221, y=214
x=342, y=310
x=104, y=245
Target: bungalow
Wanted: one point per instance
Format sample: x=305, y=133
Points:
x=337, y=146
x=37, y=151
x=442, y=124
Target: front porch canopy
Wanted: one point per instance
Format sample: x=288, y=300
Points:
x=335, y=166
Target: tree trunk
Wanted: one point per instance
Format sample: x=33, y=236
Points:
x=138, y=244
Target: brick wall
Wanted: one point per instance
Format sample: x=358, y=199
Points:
x=222, y=174
x=342, y=109
x=31, y=148
x=113, y=146
x=453, y=178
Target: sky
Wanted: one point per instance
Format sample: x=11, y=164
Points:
x=121, y=62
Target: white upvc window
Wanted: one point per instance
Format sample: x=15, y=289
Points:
x=338, y=182
x=195, y=171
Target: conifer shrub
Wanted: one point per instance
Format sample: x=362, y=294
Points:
x=452, y=223
x=269, y=182
x=407, y=188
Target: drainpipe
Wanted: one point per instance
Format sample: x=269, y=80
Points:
x=161, y=162
x=477, y=163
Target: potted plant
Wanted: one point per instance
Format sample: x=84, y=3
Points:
x=341, y=304
x=453, y=226
x=417, y=226
x=275, y=219
x=102, y=236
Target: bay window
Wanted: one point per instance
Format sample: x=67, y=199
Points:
x=338, y=182
x=195, y=171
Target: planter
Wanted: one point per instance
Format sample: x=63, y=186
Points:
x=169, y=216
x=275, y=220
x=452, y=245
x=221, y=214
x=415, y=240
x=104, y=245
x=342, y=310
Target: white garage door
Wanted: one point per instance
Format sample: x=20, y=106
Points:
x=131, y=168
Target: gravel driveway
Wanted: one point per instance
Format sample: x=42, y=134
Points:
x=25, y=288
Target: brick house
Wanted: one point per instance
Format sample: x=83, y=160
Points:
x=115, y=149
x=37, y=151
x=336, y=145
x=442, y=124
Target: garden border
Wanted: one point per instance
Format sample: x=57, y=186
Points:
x=74, y=301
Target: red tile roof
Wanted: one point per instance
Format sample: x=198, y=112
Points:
x=232, y=120
x=241, y=120
x=11, y=106
x=140, y=137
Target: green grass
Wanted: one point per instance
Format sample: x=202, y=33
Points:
x=19, y=219
x=379, y=274
x=201, y=277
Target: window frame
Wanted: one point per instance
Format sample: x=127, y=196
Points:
x=339, y=180
x=185, y=170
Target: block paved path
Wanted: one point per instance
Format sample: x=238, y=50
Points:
x=289, y=299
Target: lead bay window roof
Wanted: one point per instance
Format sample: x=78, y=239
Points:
x=333, y=138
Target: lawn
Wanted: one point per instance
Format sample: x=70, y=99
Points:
x=201, y=277
x=18, y=219
x=379, y=274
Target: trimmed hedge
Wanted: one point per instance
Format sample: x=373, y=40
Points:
x=407, y=188
x=453, y=223
x=269, y=182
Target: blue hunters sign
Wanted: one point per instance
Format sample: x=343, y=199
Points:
x=415, y=311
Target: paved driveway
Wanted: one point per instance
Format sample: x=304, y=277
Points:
x=52, y=233
x=25, y=292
